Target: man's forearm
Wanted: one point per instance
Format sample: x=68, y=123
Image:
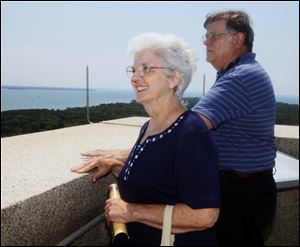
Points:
x=206, y=120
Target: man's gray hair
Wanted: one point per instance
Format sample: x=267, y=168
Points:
x=175, y=52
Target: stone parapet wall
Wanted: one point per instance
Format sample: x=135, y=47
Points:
x=46, y=219
x=42, y=202
x=288, y=145
x=284, y=231
x=287, y=139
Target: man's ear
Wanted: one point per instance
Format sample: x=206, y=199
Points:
x=239, y=38
x=176, y=79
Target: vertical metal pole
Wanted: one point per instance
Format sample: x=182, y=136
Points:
x=87, y=95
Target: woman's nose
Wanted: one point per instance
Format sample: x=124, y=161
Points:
x=136, y=76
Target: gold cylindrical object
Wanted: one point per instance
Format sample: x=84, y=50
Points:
x=118, y=228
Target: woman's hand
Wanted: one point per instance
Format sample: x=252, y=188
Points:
x=102, y=165
x=117, y=210
x=119, y=154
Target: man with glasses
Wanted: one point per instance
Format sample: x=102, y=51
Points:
x=240, y=111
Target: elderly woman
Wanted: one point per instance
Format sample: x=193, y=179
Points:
x=174, y=160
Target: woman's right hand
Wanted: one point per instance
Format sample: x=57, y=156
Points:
x=119, y=154
x=102, y=165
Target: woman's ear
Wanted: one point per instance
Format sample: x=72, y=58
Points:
x=176, y=79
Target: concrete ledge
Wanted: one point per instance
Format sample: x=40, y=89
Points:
x=288, y=145
x=42, y=202
x=284, y=231
x=34, y=163
x=287, y=131
x=287, y=139
x=132, y=121
x=46, y=219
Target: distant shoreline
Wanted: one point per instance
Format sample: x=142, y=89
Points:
x=41, y=88
x=83, y=89
x=32, y=97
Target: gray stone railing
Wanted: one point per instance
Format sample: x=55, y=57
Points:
x=287, y=139
x=43, y=203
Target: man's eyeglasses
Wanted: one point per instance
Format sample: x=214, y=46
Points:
x=143, y=69
x=212, y=36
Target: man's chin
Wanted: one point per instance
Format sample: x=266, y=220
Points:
x=208, y=59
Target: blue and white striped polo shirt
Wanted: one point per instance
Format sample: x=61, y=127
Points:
x=242, y=108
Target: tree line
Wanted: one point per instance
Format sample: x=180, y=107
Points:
x=16, y=122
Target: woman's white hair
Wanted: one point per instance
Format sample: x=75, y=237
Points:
x=175, y=52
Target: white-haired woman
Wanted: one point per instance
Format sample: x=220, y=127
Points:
x=174, y=160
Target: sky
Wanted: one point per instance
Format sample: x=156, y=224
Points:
x=51, y=43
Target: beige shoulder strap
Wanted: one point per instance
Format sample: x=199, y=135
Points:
x=167, y=239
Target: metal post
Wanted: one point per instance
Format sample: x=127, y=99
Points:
x=87, y=95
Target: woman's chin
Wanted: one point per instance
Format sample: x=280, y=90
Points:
x=139, y=98
x=143, y=97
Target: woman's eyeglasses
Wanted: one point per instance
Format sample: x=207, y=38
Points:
x=143, y=69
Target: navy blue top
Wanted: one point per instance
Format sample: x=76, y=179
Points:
x=242, y=108
x=179, y=165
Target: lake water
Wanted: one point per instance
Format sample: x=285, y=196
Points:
x=13, y=99
x=38, y=98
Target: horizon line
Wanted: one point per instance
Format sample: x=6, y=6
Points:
x=95, y=88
